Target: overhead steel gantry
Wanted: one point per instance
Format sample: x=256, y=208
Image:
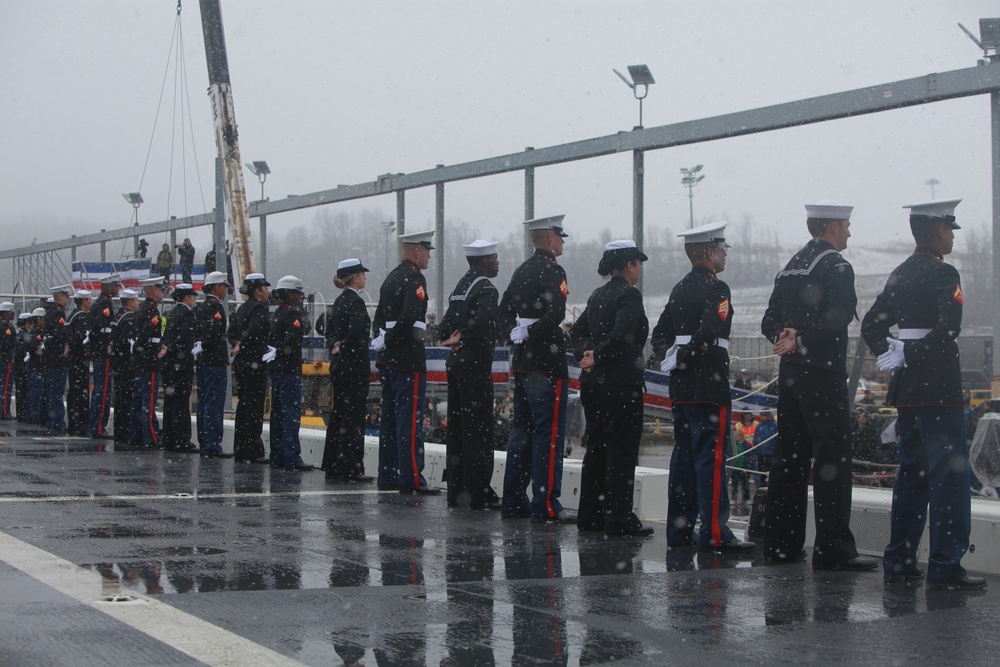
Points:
x=980, y=80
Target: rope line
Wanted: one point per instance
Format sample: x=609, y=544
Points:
x=766, y=356
x=757, y=390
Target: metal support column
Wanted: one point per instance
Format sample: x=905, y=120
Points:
x=72, y=251
x=104, y=249
x=995, y=135
x=219, y=225
x=400, y=220
x=529, y=204
x=638, y=200
x=439, y=243
x=263, y=244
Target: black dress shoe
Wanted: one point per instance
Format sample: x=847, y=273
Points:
x=566, y=516
x=360, y=479
x=631, y=531
x=301, y=467
x=261, y=461
x=901, y=577
x=425, y=491
x=388, y=487
x=734, y=546
x=856, y=564
x=966, y=583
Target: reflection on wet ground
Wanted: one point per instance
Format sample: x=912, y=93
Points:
x=310, y=569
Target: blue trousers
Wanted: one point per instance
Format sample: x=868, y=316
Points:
x=6, y=387
x=286, y=416
x=145, y=424
x=535, y=448
x=933, y=470
x=55, y=394
x=36, y=388
x=212, y=384
x=100, y=400
x=697, y=485
x=401, y=438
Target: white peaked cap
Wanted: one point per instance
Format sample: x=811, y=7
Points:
x=934, y=209
x=217, y=278
x=480, y=248
x=113, y=279
x=829, y=209
x=38, y=312
x=65, y=289
x=152, y=282
x=6, y=307
x=290, y=283
x=421, y=238
x=712, y=232
x=83, y=294
x=553, y=222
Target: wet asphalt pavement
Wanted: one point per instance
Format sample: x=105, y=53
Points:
x=264, y=566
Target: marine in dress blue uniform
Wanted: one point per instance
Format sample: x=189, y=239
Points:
x=145, y=364
x=22, y=345
x=607, y=340
x=177, y=363
x=100, y=326
x=286, y=376
x=122, y=337
x=399, y=330
x=55, y=352
x=806, y=319
x=469, y=329
x=8, y=341
x=78, y=393
x=923, y=296
x=692, y=336
x=532, y=311
x=35, y=412
x=212, y=364
x=347, y=328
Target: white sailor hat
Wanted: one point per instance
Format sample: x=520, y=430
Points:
x=553, y=222
x=480, y=248
x=128, y=294
x=290, y=283
x=38, y=312
x=713, y=232
x=182, y=290
x=421, y=238
x=252, y=281
x=6, y=307
x=83, y=294
x=216, y=278
x=829, y=209
x=349, y=267
x=24, y=316
x=152, y=282
x=63, y=289
x=943, y=209
x=113, y=279
x=50, y=300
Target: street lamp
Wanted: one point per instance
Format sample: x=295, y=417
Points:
x=389, y=226
x=932, y=183
x=691, y=179
x=135, y=199
x=259, y=169
x=642, y=78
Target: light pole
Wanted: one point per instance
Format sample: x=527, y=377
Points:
x=389, y=227
x=691, y=179
x=641, y=80
x=259, y=169
x=135, y=199
x=932, y=183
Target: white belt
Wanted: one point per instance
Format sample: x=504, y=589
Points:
x=913, y=334
x=526, y=321
x=719, y=342
x=154, y=340
x=416, y=325
x=107, y=330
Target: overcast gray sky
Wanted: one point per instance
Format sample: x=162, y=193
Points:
x=339, y=92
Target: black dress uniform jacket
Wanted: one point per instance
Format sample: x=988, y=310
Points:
x=146, y=333
x=700, y=306
x=286, y=338
x=179, y=338
x=77, y=332
x=23, y=345
x=100, y=322
x=210, y=329
x=251, y=326
x=615, y=327
x=56, y=336
x=813, y=294
x=472, y=311
x=403, y=300
x=537, y=290
x=349, y=325
x=121, y=337
x=8, y=341
x=922, y=293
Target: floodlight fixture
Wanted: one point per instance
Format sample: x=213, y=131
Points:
x=259, y=169
x=989, y=37
x=133, y=198
x=641, y=79
x=689, y=180
x=389, y=226
x=932, y=182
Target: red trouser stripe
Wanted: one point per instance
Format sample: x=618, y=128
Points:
x=6, y=390
x=104, y=398
x=552, y=449
x=718, y=471
x=152, y=406
x=413, y=430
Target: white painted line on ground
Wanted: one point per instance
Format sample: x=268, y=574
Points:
x=183, y=495
x=178, y=629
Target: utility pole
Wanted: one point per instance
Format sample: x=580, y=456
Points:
x=691, y=179
x=932, y=183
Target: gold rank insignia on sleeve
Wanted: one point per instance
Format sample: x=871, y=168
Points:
x=724, y=309
x=421, y=293
x=957, y=294
x=564, y=288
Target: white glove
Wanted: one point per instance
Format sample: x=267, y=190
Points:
x=27, y=357
x=269, y=356
x=196, y=350
x=86, y=338
x=378, y=344
x=519, y=334
x=894, y=358
x=669, y=362
x=131, y=344
x=42, y=346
